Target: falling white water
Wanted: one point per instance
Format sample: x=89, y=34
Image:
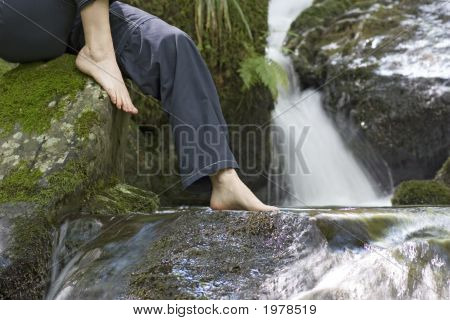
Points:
x=332, y=176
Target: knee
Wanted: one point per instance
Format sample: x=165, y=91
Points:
x=176, y=39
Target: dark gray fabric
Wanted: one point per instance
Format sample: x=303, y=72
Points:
x=165, y=63
x=34, y=30
x=161, y=59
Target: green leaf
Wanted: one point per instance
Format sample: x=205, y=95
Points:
x=259, y=69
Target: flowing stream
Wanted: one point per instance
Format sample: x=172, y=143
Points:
x=348, y=253
x=324, y=171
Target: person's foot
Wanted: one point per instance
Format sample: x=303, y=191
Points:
x=104, y=69
x=230, y=193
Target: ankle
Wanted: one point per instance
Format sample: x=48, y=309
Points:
x=223, y=177
x=98, y=53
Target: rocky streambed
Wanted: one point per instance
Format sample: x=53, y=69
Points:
x=196, y=253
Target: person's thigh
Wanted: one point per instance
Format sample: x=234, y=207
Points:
x=35, y=30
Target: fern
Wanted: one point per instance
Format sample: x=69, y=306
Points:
x=262, y=70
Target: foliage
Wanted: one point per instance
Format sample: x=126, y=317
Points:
x=260, y=69
x=213, y=16
x=421, y=192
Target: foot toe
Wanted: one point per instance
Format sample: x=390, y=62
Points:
x=119, y=103
x=112, y=95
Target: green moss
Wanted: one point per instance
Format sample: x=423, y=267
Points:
x=27, y=91
x=122, y=199
x=5, y=67
x=29, y=185
x=85, y=122
x=30, y=234
x=73, y=177
x=27, y=277
x=421, y=192
x=24, y=183
x=21, y=184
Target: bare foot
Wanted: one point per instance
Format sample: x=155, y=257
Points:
x=104, y=69
x=230, y=193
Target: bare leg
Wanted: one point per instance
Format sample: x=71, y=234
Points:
x=97, y=58
x=230, y=193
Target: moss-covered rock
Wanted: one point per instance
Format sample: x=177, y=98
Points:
x=24, y=271
x=239, y=106
x=372, y=60
x=425, y=192
x=59, y=135
x=39, y=83
x=121, y=199
x=421, y=192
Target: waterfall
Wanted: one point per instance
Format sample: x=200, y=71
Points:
x=326, y=172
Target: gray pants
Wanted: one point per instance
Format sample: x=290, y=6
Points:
x=161, y=59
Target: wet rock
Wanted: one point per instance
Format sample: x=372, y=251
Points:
x=349, y=253
x=95, y=255
x=121, y=199
x=383, y=67
x=221, y=255
x=59, y=136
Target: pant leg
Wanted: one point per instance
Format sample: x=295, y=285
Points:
x=34, y=30
x=165, y=63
